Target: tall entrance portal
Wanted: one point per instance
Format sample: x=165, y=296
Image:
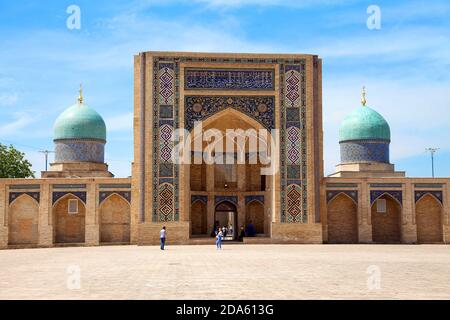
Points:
x=185, y=106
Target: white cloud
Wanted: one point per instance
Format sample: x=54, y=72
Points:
x=15, y=127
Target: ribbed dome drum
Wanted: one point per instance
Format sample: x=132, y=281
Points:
x=79, y=135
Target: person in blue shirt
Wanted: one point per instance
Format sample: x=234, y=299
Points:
x=219, y=239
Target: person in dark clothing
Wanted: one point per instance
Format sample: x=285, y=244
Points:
x=250, y=232
x=242, y=234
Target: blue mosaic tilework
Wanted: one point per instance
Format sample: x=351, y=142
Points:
x=375, y=194
x=419, y=194
x=293, y=146
x=331, y=194
x=226, y=79
x=102, y=195
x=79, y=194
x=260, y=108
x=79, y=150
x=14, y=195
x=200, y=198
x=364, y=151
x=292, y=95
x=259, y=198
x=165, y=121
x=232, y=199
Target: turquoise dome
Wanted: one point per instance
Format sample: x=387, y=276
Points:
x=80, y=122
x=364, y=123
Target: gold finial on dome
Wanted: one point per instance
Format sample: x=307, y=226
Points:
x=363, y=96
x=80, y=96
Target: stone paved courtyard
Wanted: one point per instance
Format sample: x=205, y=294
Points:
x=236, y=272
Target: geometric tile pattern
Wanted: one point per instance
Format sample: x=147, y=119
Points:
x=105, y=194
x=375, y=194
x=293, y=145
x=229, y=79
x=294, y=204
x=364, y=151
x=79, y=150
x=166, y=202
x=293, y=85
x=166, y=143
x=331, y=194
x=419, y=194
x=14, y=195
x=165, y=113
x=260, y=108
x=293, y=142
x=166, y=84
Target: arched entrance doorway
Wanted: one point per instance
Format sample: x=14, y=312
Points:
x=23, y=220
x=69, y=214
x=342, y=220
x=255, y=216
x=386, y=220
x=225, y=215
x=115, y=220
x=429, y=220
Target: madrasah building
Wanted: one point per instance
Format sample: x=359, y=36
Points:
x=79, y=202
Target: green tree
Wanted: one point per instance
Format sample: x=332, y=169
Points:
x=13, y=164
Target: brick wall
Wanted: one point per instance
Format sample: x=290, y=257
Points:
x=342, y=220
x=429, y=220
x=386, y=226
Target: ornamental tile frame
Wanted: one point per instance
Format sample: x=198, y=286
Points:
x=58, y=195
x=353, y=194
x=168, y=84
x=105, y=194
x=14, y=195
x=397, y=195
x=435, y=193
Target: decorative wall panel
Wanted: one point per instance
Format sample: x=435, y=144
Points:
x=293, y=142
x=226, y=79
x=292, y=98
x=260, y=108
x=165, y=121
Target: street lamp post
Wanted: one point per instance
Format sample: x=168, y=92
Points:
x=432, y=152
x=46, y=152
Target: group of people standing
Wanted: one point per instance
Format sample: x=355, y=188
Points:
x=219, y=233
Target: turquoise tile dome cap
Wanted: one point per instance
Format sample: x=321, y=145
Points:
x=80, y=122
x=364, y=123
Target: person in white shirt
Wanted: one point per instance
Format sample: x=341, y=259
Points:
x=162, y=236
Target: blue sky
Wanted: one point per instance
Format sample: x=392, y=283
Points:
x=405, y=65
